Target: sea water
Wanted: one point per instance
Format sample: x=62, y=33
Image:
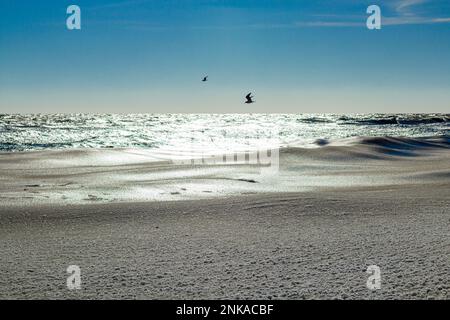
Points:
x=212, y=132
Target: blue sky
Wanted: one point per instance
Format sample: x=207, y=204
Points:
x=295, y=56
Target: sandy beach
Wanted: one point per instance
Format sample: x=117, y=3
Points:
x=225, y=150
x=146, y=228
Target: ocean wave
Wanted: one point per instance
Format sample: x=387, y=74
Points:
x=205, y=131
x=8, y=146
x=396, y=120
x=315, y=120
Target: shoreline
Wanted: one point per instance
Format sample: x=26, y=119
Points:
x=134, y=175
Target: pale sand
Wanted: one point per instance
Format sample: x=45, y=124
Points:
x=309, y=233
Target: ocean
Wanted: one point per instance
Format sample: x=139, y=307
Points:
x=212, y=132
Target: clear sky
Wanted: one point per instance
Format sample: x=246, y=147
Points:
x=295, y=56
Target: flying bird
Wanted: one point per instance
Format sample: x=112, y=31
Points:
x=205, y=79
x=249, y=98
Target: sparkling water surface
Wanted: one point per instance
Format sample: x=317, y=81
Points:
x=204, y=131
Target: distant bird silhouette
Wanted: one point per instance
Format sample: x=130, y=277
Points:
x=249, y=98
x=205, y=79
